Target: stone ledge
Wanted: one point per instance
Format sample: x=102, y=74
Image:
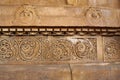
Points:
x=35, y=72
x=96, y=72
x=59, y=30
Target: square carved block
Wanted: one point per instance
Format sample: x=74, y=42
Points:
x=35, y=72
x=111, y=49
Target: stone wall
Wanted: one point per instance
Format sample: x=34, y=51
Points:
x=60, y=40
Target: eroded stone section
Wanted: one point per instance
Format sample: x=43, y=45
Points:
x=26, y=15
x=112, y=49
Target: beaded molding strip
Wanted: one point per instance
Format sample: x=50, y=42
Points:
x=60, y=30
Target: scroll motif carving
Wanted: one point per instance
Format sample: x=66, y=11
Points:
x=7, y=50
x=22, y=50
x=94, y=16
x=29, y=48
x=57, y=49
x=26, y=15
x=85, y=49
x=112, y=49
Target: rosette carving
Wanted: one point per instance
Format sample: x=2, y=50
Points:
x=85, y=49
x=94, y=16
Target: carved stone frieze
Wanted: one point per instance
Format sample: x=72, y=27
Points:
x=39, y=49
x=112, y=49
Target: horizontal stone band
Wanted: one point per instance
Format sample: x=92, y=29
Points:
x=57, y=49
x=78, y=30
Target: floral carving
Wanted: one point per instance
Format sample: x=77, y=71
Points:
x=94, y=16
x=112, y=49
x=22, y=50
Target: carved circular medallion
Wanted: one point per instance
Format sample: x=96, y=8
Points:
x=94, y=16
x=29, y=48
x=25, y=15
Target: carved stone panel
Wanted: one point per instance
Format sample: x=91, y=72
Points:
x=85, y=49
x=52, y=49
x=112, y=49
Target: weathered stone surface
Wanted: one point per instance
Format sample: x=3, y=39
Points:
x=96, y=71
x=35, y=72
x=70, y=34
x=22, y=14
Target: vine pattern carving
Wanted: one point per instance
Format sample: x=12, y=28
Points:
x=46, y=49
